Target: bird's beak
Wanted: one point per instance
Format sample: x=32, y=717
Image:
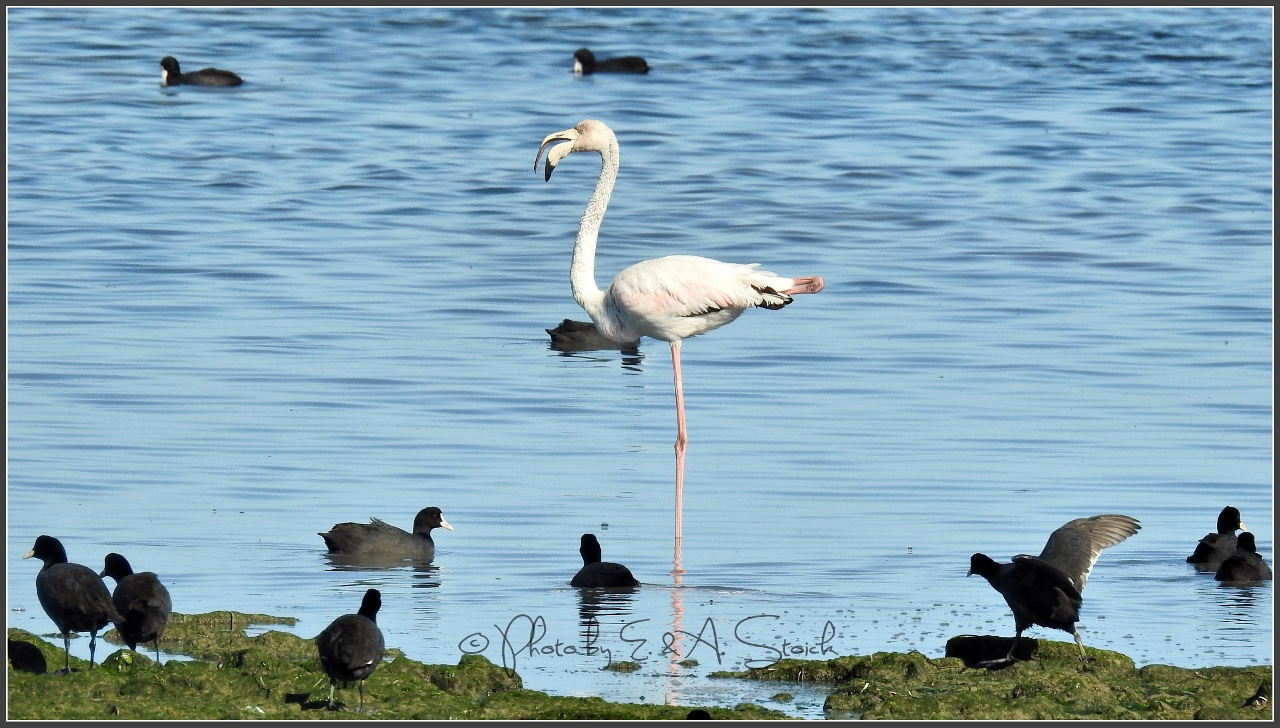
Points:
x=970, y=573
x=29, y=554
x=445, y=524
x=558, y=152
x=1243, y=527
x=577, y=67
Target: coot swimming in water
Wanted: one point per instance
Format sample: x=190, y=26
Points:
x=351, y=647
x=171, y=75
x=584, y=63
x=1245, y=564
x=573, y=335
x=379, y=538
x=141, y=599
x=599, y=574
x=1045, y=589
x=1215, y=548
x=73, y=596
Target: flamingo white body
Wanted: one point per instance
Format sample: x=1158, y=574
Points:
x=670, y=298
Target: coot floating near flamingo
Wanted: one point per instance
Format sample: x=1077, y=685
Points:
x=596, y=574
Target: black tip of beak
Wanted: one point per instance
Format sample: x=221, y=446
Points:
x=546, y=177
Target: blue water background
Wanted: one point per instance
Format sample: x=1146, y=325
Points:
x=239, y=316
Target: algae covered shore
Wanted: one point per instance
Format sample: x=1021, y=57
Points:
x=277, y=675
x=1048, y=682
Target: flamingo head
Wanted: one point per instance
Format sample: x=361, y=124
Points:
x=588, y=136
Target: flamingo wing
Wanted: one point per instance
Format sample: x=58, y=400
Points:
x=687, y=285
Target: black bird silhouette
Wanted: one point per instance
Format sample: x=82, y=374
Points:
x=585, y=63
x=351, y=647
x=1045, y=589
x=26, y=657
x=1215, y=548
x=600, y=574
x=573, y=335
x=1245, y=564
x=73, y=596
x=141, y=599
x=172, y=75
x=379, y=538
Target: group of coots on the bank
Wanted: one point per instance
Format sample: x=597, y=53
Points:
x=77, y=600
x=1044, y=590
x=584, y=64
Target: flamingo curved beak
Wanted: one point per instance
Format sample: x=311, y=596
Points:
x=558, y=152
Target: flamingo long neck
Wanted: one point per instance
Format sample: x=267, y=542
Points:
x=582, y=271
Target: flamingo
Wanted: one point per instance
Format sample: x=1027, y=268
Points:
x=670, y=298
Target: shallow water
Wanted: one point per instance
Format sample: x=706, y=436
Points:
x=239, y=316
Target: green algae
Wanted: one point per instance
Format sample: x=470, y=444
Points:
x=277, y=675
x=1054, y=683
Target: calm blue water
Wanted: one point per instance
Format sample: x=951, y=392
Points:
x=239, y=316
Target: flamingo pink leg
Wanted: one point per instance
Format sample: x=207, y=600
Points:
x=682, y=440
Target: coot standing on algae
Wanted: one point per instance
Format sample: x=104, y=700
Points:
x=1045, y=589
x=1245, y=564
x=381, y=539
x=141, y=599
x=351, y=647
x=1215, y=548
x=172, y=75
x=73, y=596
x=599, y=574
x=585, y=63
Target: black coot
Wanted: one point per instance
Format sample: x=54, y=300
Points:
x=1045, y=589
x=1245, y=564
x=171, y=75
x=1215, y=548
x=584, y=63
x=351, y=647
x=381, y=539
x=141, y=599
x=573, y=335
x=600, y=574
x=72, y=595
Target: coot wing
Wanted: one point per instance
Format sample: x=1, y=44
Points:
x=1074, y=548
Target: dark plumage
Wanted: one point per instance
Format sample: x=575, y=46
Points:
x=698, y=714
x=26, y=657
x=379, y=538
x=351, y=647
x=171, y=75
x=573, y=335
x=1245, y=564
x=72, y=595
x=584, y=63
x=141, y=599
x=1215, y=548
x=1045, y=589
x=599, y=574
